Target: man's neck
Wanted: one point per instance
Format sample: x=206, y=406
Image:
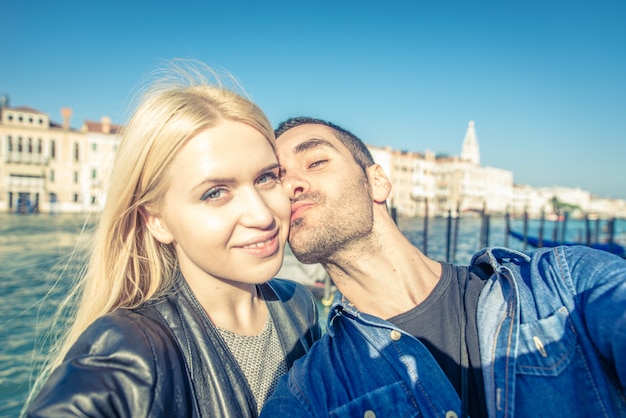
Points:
x=389, y=278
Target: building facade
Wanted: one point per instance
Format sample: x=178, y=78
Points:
x=48, y=167
x=411, y=174
x=437, y=186
x=426, y=185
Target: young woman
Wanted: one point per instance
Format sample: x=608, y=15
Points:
x=177, y=314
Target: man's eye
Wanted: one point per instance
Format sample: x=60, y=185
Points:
x=317, y=163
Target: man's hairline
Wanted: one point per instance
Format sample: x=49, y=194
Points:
x=298, y=149
x=333, y=130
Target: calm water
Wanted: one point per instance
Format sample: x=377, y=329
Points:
x=38, y=266
x=35, y=251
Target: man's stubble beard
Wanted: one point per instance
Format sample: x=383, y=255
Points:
x=341, y=224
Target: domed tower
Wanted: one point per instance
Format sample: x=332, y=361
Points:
x=470, y=151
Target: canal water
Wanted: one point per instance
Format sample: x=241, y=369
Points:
x=41, y=254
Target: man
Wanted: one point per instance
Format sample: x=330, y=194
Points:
x=539, y=334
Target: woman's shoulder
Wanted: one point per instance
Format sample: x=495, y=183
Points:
x=125, y=329
x=124, y=350
x=140, y=345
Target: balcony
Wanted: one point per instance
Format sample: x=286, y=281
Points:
x=26, y=158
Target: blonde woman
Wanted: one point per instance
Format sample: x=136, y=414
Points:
x=178, y=313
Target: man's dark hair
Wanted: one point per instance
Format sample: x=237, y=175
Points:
x=357, y=148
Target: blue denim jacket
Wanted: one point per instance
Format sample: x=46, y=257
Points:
x=552, y=337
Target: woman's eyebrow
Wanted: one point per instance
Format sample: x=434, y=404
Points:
x=232, y=180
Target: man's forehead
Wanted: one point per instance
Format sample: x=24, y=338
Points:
x=304, y=140
x=307, y=131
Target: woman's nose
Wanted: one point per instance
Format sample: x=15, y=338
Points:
x=255, y=211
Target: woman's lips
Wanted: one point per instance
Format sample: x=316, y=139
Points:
x=264, y=247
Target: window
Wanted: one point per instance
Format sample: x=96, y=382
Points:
x=20, y=145
x=75, y=198
x=75, y=177
x=94, y=147
x=51, y=176
x=93, y=199
x=9, y=143
x=30, y=145
x=53, y=149
x=94, y=173
x=39, y=146
x=76, y=152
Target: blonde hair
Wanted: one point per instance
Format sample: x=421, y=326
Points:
x=127, y=266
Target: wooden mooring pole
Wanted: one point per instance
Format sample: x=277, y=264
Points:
x=455, y=235
x=611, y=232
x=484, y=229
x=425, y=232
x=542, y=222
x=555, y=231
x=448, y=232
x=507, y=227
x=525, y=231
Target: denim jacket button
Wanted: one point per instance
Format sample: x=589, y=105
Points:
x=369, y=414
x=395, y=335
x=451, y=414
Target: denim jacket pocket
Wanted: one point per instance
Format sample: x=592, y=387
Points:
x=387, y=401
x=546, y=346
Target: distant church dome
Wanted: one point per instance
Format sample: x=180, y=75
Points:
x=470, y=151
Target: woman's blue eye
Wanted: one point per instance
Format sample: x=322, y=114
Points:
x=212, y=194
x=267, y=177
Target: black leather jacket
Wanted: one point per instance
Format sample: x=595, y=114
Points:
x=166, y=359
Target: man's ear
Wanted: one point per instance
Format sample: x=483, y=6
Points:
x=379, y=182
x=156, y=226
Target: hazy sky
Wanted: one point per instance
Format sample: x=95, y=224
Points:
x=544, y=81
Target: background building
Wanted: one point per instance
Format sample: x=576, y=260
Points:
x=49, y=167
x=459, y=185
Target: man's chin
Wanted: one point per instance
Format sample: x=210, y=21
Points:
x=305, y=258
x=301, y=254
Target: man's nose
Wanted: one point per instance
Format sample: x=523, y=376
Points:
x=294, y=183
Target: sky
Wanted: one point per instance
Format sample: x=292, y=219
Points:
x=544, y=81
